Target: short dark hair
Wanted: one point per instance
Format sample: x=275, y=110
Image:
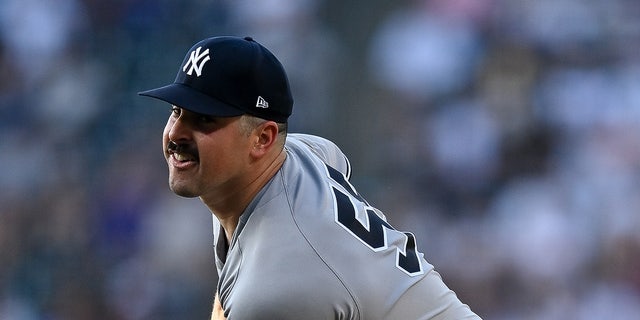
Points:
x=249, y=122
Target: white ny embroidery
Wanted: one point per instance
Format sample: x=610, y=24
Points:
x=197, y=61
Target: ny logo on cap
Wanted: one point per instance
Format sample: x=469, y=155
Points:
x=197, y=61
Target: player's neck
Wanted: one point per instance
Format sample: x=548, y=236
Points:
x=228, y=208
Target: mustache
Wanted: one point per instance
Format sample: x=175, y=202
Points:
x=181, y=148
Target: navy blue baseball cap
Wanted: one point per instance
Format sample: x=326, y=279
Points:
x=230, y=76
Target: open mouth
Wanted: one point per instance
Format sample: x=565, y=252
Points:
x=183, y=157
x=182, y=153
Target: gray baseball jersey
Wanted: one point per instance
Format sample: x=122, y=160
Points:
x=310, y=247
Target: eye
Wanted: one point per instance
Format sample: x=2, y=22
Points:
x=175, y=111
x=203, y=118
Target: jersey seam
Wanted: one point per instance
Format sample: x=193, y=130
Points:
x=304, y=236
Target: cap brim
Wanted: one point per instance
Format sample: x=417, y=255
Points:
x=188, y=98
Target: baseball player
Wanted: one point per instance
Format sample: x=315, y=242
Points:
x=293, y=239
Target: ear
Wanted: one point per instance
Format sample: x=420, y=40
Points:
x=265, y=138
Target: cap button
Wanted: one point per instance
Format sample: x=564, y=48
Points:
x=248, y=38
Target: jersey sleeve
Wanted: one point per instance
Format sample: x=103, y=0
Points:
x=326, y=150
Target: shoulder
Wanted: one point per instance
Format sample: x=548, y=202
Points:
x=327, y=151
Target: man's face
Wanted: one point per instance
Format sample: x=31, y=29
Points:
x=206, y=155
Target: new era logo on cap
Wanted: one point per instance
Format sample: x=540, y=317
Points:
x=262, y=103
x=227, y=77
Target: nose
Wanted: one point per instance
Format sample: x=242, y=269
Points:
x=178, y=129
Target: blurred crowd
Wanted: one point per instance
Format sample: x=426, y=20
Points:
x=504, y=134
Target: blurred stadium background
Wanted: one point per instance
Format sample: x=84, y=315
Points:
x=504, y=133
